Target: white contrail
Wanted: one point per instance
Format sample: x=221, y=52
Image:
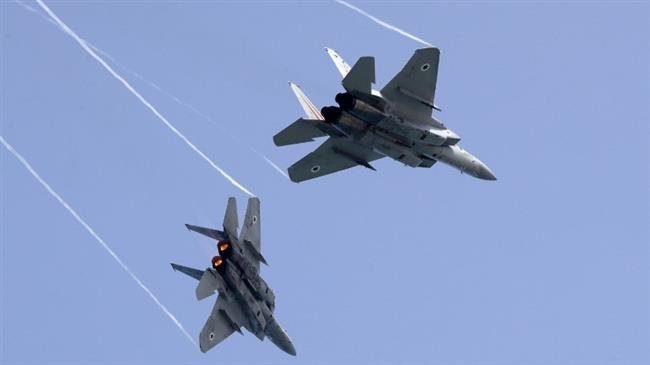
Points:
x=29, y=8
x=185, y=104
x=382, y=23
x=176, y=99
x=268, y=160
x=76, y=216
x=126, y=84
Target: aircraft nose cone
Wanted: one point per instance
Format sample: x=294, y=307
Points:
x=290, y=349
x=287, y=346
x=485, y=173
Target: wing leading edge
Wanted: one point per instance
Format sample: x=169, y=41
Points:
x=223, y=321
x=332, y=156
x=414, y=87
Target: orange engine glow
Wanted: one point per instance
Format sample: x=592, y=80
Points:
x=216, y=261
x=223, y=246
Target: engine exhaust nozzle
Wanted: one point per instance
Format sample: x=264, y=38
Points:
x=224, y=248
x=217, y=263
x=331, y=114
x=345, y=101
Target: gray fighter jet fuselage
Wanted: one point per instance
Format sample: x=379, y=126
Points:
x=368, y=124
x=245, y=299
x=392, y=134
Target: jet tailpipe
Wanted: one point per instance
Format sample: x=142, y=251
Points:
x=331, y=114
x=218, y=264
x=359, y=108
x=224, y=248
x=345, y=101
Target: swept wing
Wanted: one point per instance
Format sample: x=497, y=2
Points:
x=414, y=87
x=332, y=156
x=225, y=319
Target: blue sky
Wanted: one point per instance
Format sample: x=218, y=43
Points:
x=548, y=265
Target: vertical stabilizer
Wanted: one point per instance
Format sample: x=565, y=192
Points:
x=310, y=109
x=230, y=222
x=339, y=62
x=361, y=76
x=250, y=232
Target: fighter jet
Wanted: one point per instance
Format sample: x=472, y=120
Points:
x=368, y=124
x=244, y=300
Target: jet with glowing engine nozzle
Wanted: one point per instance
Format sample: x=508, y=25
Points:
x=368, y=124
x=244, y=300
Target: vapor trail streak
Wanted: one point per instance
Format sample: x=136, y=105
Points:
x=30, y=9
x=128, y=86
x=176, y=99
x=184, y=104
x=268, y=160
x=382, y=23
x=76, y=216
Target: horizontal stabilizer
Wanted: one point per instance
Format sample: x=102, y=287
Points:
x=209, y=283
x=196, y=274
x=212, y=233
x=300, y=131
x=361, y=76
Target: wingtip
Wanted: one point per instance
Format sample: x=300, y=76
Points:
x=188, y=227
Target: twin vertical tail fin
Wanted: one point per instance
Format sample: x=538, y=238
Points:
x=358, y=77
x=310, y=109
x=230, y=224
x=339, y=62
x=251, y=232
x=230, y=220
x=361, y=76
x=302, y=130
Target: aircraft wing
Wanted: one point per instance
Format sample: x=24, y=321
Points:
x=334, y=155
x=225, y=319
x=414, y=87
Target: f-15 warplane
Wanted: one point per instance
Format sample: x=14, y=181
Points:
x=368, y=124
x=244, y=300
